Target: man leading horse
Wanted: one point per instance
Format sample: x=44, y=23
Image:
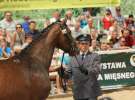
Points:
x=84, y=69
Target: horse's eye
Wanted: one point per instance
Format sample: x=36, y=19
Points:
x=64, y=31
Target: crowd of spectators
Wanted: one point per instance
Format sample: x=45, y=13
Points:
x=15, y=35
x=116, y=33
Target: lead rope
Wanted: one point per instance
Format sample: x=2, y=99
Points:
x=62, y=80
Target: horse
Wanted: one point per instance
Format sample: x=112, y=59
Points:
x=25, y=76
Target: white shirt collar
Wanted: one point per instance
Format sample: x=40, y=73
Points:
x=83, y=52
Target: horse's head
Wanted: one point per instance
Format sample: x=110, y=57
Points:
x=65, y=40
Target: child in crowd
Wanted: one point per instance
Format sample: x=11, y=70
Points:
x=5, y=51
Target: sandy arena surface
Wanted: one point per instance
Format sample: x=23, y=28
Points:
x=123, y=94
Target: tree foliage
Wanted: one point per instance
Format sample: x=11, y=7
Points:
x=128, y=7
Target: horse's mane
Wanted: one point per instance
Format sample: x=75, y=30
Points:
x=42, y=34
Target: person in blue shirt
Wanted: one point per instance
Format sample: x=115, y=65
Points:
x=25, y=24
x=83, y=23
x=33, y=30
x=5, y=52
x=66, y=59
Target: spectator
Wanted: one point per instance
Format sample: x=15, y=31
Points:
x=94, y=34
x=113, y=38
x=69, y=18
x=127, y=34
x=114, y=27
x=105, y=46
x=18, y=39
x=55, y=17
x=120, y=19
x=5, y=35
x=121, y=44
x=83, y=20
x=87, y=15
x=66, y=59
x=94, y=46
x=129, y=23
x=33, y=30
x=25, y=24
x=87, y=29
x=5, y=51
x=8, y=23
x=77, y=30
x=53, y=74
x=107, y=20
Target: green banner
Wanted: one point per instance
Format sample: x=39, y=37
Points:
x=54, y=4
x=117, y=69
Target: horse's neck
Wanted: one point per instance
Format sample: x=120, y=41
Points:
x=42, y=51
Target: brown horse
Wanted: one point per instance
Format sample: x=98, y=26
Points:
x=25, y=76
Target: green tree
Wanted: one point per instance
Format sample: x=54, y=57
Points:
x=128, y=7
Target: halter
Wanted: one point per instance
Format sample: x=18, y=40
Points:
x=67, y=34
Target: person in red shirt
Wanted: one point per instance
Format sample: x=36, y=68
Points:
x=127, y=34
x=107, y=20
x=129, y=23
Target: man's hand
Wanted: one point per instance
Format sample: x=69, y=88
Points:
x=83, y=70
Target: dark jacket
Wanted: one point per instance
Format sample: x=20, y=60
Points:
x=34, y=33
x=85, y=85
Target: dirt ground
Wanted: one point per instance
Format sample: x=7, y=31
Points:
x=120, y=95
x=123, y=94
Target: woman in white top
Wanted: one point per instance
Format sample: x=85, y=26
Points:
x=18, y=39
